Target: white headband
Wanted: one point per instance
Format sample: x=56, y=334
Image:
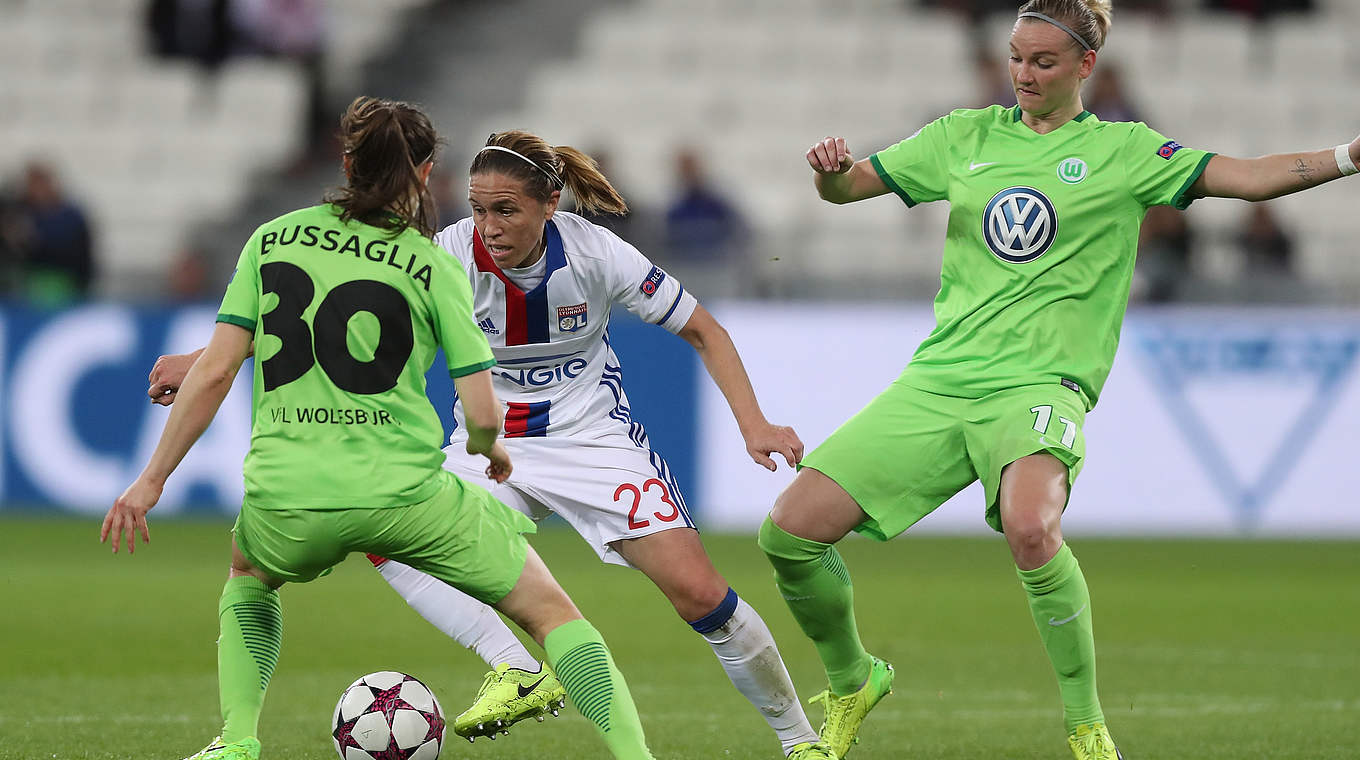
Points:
x=1034, y=14
x=553, y=178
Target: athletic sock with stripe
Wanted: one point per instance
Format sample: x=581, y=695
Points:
x=1061, y=606
x=251, y=620
x=578, y=654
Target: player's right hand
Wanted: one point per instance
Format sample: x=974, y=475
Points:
x=128, y=515
x=830, y=156
x=167, y=375
x=500, y=467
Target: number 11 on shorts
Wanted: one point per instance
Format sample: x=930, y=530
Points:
x=1044, y=414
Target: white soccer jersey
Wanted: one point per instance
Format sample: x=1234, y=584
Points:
x=556, y=372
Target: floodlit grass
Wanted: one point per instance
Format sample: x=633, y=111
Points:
x=1207, y=650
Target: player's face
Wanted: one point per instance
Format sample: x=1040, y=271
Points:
x=1047, y=67
x=509, y=220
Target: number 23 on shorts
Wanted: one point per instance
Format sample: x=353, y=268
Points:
x=650, y=490
x=1043, y=419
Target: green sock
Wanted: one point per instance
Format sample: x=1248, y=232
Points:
x=582, y=662
x=813, y=580
x=252, y=629
x=1061, y=606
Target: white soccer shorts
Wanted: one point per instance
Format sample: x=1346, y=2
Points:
x=607, y=488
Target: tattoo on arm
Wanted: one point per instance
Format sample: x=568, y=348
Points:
x=1303, y=171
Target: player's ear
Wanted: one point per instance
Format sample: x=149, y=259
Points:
x=551, y=207
x=1088, y=64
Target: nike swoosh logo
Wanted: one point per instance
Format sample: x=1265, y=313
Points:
x=1055, y=622
x=975, y=167
x=525, y=691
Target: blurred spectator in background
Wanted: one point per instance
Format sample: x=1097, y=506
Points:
x=293, y=30
x=50, y=238
x=201, y=30
x=1106, y=96
x=1260, y=10
x=1164, y=249
x=449, y=191
x=191, y=276
x=631, y=226
x=1267, y=250
x=701, y=224
x=993, y=80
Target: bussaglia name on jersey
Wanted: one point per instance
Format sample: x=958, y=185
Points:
x=376, y=251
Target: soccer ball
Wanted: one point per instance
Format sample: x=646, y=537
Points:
x=388, y=716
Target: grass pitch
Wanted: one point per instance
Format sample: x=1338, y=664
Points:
x=1208, y=650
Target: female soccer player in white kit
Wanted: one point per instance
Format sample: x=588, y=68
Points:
x=544, y=282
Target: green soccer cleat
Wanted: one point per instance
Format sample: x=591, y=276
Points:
x=246, y=749
x=509, y=695
x=840, y=727
x=811, y=751
x=1091, y=741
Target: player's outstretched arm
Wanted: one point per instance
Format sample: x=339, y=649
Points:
x=839, y=177
x=724, y=365
x=1260, y=179
x=207, y=383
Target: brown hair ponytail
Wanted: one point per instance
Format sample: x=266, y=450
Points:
x=385, y=143
x=544, y=169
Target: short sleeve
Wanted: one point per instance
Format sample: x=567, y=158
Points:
x=241, y=302
x=1160, y=171
x=464, y=343
x=915, y=168
x=647, y=290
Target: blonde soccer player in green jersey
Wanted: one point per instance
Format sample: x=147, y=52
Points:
x=347, y=303
x=1045, y=204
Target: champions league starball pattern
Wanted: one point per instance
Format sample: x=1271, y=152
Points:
x=388, y=716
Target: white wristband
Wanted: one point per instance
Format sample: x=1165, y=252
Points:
x=1344, y=162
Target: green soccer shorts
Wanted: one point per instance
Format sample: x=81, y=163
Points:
x=462, y=535
x=910, y=450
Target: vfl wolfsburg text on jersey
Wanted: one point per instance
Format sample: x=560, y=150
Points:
x=347, y=318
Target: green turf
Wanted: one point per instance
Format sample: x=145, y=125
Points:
x=1208, y=650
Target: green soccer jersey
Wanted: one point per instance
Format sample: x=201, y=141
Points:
x=347, y=319
x=1040, y=245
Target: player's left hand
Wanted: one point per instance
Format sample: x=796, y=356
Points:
x=1355, y=151
x=167, y=374
x=768, y=439
x=128, y=514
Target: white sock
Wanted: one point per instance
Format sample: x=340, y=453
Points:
x=748, y=653
x=466, y=620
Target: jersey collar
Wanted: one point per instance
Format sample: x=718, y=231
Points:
x=555, y=255
x=1016, y=114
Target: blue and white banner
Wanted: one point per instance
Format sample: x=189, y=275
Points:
x=76, y=425
x=1213, y=422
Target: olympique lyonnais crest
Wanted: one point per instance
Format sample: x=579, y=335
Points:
x=571, y=318
x=1019, y=224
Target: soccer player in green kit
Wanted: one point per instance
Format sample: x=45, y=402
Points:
x=347, y=303
x=1045, y=205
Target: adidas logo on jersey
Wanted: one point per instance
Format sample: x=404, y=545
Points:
x=489, y=327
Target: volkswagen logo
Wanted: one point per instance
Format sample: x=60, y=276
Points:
x=1019, y=224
